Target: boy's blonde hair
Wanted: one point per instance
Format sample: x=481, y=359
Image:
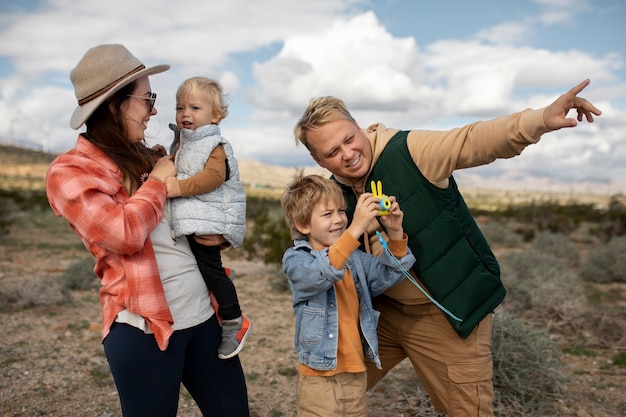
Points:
x=302, y=194
x=210, y=89
x=320, y=111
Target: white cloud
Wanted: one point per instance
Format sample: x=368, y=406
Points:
x=299, y=49
x=507, y=33
x=453, y=78
x=356, y=59
x=561, y=11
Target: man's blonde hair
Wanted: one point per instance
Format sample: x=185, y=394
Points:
x=320, y=111
x=302, y=194
x=210, y=89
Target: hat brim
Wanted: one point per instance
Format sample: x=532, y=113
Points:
x=82, y=113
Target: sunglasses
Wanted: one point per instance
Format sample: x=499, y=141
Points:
x=149, y=100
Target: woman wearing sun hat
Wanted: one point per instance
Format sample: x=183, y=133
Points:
x=159, y=328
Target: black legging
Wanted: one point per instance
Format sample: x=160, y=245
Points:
x=148, y=379
x=209, y=261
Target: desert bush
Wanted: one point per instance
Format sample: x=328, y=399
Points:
x=558, y=217
x=79, y=276
x=613, y=222
x=267, y=236
x=500, y=235
x=552, y=215
x=19, y=200
x=4, y=211
x=25, y=199
x=606, y=263
x=619, y=360
x=28, y=292
x=527, y=375
x=558, y=245
x=540, y=286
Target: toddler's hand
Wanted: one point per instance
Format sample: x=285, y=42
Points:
x=365, y=211
x=209, y=240
x=159, y=150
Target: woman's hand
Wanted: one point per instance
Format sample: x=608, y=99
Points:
x=164, y=168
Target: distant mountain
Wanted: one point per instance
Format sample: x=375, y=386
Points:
x=25, y=169
x=14, y=155
x=17, y=164
x=259, y=175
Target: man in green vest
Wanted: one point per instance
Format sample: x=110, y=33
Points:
x=447, y=341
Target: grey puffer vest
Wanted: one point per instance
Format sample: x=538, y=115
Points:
x=223, y=209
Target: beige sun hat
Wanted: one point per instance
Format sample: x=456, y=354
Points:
x=102, y=71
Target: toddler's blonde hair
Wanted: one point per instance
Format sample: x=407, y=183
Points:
x=210, y=89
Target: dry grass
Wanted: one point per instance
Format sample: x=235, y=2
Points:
x=52, y=361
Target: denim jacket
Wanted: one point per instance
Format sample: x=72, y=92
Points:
x=311, y=278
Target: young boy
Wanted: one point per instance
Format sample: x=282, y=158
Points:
x=212, y=210
x=332, y=284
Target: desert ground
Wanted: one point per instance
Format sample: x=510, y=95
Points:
x=52, y=361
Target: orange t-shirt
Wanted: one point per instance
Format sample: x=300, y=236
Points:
x=350, y=356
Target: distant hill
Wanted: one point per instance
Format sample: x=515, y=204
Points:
x=259, y=175
x=22, y=168
x=26, y=168
x=14, y=155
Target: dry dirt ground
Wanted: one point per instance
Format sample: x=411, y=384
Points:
x=51, y=356
x=52, y=361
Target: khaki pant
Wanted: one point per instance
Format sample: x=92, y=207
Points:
x=456, y=373
x=339, y=395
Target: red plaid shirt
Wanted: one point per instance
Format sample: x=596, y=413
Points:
x=84, y=187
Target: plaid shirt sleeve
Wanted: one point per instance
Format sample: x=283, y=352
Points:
x=84, y=187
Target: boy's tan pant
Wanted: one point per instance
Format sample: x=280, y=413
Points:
x=456, y=373
x=339, y=395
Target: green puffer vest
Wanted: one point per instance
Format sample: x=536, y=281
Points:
x=454, y=261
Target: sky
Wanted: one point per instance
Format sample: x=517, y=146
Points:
x=409, y=64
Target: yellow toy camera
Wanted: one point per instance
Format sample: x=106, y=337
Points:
x=384, y=203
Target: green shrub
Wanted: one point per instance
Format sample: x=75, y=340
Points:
x=613, y=222
x=540, y=286
x=606, y=263
x=562, y=217
x=527, y=375
x=19, y=200
x=268, y=236
x=25, y=199
x=80, y=276
x=28, y=292
x=620, y=360
x=551, y=215
x=499, y=235
x=558, y=245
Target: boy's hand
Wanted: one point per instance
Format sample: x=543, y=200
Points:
x=393, y=221
x=365, y=211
